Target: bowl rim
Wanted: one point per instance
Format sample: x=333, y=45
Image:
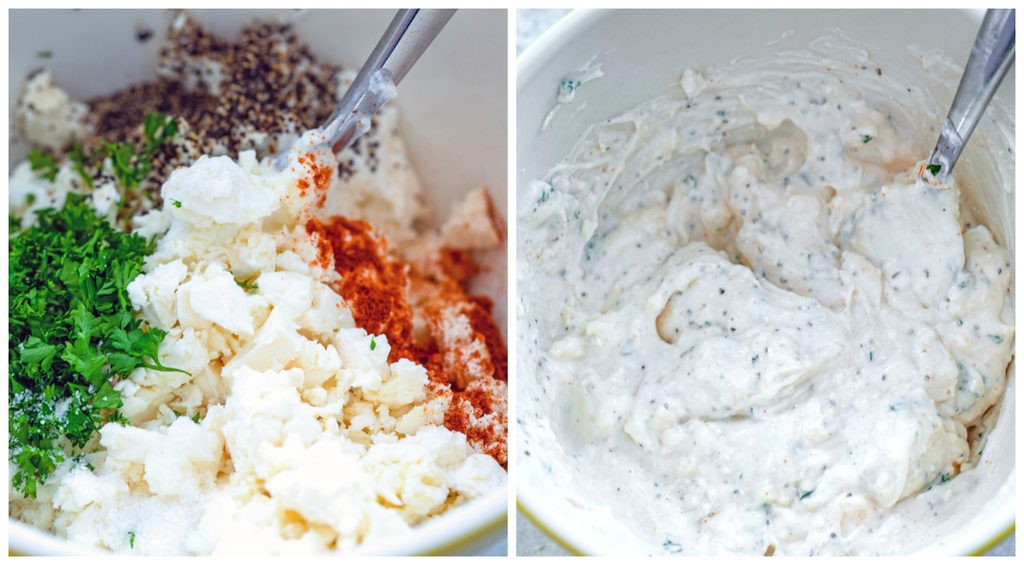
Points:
x=528, y=64
x=445, y=534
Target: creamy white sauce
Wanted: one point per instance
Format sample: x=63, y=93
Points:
x=756, y=325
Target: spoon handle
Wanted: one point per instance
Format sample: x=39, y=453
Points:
x=406, y=38
x=991, y=57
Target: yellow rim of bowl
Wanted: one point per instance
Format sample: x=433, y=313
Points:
x=548, y=531
x=996, y=540
x=467, y=538
x=443, y=549
x=985, y=548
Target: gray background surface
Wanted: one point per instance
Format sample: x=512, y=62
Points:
x=529, y=540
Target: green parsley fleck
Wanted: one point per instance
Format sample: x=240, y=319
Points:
x=158, y=130
x=945, y=478
x=131, y=540
x=934, y=168
x=79, y=161
x=996, y=338
x=866, y=138
x=806, y=494
x=44, y=164
x=544, y=195
x=129, y=168
x=670, y=546
x=249, y=284
x=373, y=343
x=131, y=164
x=72, y=333
x=567, y=87
x=176, y=203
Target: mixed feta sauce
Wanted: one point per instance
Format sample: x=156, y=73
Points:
x=754, y=322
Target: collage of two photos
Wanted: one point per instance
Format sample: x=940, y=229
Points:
x=271, y=290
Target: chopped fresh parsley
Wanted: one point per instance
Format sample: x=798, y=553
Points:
x=131, y=540
x=248, y=284
x=945, y=478
x=934, y=168
x=44, y=164
x=73, y=335
x=131, y=164
x=130, y=168
x=670, y=546
x=806, y=494
x=176, y=203
x=158, y=130
x=544, y=195
x=866, y=138
x=373, y=343
x=79, y=161
x=567, y=87
x=996, y=338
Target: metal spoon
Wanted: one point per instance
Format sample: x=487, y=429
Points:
x=991, y=57
x=406, y=38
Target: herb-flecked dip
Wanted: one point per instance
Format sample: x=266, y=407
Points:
x=754, y=322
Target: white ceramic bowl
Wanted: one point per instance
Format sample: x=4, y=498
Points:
x=454, y=120
x=643, y=54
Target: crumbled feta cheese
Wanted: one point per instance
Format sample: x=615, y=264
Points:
x=215, y=190
x=104, y=200
x=217, y=297
x=47, y=116
x=155, y=293
x=473, y=224
x=378, y=185
x=30, y=193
